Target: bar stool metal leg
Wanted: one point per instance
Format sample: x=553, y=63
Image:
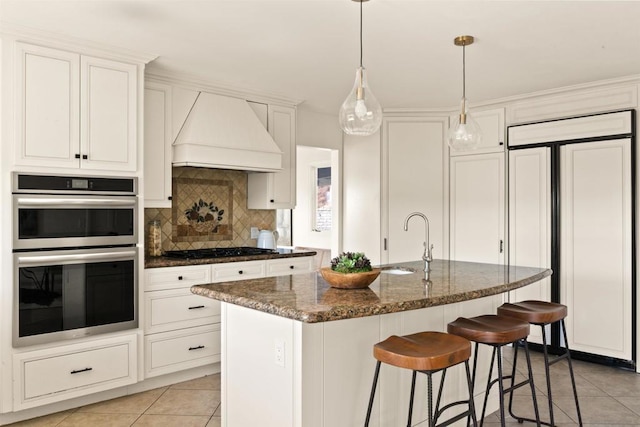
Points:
x=413, y=389
x=533, y=389
x=472, y=404
x=573, y=380
x=373, y=393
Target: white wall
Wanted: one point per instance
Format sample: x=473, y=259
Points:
x=308, y=158
x=318, y=129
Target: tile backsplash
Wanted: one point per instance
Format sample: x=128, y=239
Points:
x=209, y=209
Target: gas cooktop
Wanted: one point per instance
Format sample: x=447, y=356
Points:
x=219, y=252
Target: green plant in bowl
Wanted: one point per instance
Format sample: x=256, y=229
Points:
x=351, y=262
x=350, y=270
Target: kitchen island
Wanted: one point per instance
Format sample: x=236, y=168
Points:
x=296, y=352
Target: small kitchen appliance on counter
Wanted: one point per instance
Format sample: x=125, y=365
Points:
x=267, y=239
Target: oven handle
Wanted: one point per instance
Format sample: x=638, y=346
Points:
x=102, y=256
x=62, y=202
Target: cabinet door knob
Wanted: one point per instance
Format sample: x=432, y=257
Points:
x=272, y=201
x=85, y=157
x=169, y=198
x=291, y=267
x=77, y=156
x=240, y=272
x=179, y=277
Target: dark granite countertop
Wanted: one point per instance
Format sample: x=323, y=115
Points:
x=161, y=261
x=308, y=298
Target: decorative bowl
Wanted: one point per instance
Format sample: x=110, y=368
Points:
x=349, y=280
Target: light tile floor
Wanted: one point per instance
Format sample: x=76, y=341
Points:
x=608, y=397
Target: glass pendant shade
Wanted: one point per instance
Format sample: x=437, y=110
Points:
x=360, y=114
x=464, y=133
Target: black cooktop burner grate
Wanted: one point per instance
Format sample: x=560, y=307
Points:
x=219, y=252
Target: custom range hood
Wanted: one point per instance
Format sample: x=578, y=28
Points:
x=224, y=133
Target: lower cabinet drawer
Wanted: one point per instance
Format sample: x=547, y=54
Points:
x=177, y=350
x=285, y=266
x=51, y=375
x=177, y=309
x=231, y=271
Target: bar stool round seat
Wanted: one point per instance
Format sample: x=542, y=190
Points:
x=427, y=353
x=490, y=329
x=424, y=351
x=535, y=312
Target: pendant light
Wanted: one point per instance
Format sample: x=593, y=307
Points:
x=464, y=133
x=360, y=114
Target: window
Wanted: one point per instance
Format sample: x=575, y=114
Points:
x=322, y=202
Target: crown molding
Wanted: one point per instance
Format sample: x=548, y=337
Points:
x=58, y=41
x=195, y=83
x=501, y=102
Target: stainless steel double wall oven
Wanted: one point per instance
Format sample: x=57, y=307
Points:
x=75, y=256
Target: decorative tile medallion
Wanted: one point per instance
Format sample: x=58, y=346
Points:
x=201, y=209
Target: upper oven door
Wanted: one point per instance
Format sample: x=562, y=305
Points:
x=59, y=221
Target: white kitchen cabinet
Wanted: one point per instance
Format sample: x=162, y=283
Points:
x=277, y=190
x=477, y=208
x=157, y=279
x=48, y=106
x=596, y=267
x=181, y=349
x=177, y=320
x=178, y=308
x=530, y=221
x=75, y=111
x=570, y=209
x=284, y=266
x=157, y=145
x=182, y=330
x=74, y=370
x=492, y=126
x=413, y=157
x=232, y=271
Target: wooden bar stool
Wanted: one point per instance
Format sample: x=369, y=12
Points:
x=496, y=331
x=426, y=352
x=543, y=313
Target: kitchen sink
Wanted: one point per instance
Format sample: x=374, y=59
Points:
x=397, y=270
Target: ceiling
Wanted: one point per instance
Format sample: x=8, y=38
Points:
x=308, y=49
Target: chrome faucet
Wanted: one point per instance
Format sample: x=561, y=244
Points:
x=427, y=255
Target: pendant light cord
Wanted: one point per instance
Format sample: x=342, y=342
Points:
x=360, y=33
x=464, y=79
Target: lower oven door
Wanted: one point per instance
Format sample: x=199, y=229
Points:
x=74, y=293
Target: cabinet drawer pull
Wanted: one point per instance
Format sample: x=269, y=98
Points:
x=240, y=272
x=291, y=267
x=179, y=277
x=196, y=348
x=81, y=370
x=196, y=306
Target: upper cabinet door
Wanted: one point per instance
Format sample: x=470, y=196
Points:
x=276, y=190
x=157, y=145
x=282, y=128
x=108, y=114
x=48, y=100
x=491, y=123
